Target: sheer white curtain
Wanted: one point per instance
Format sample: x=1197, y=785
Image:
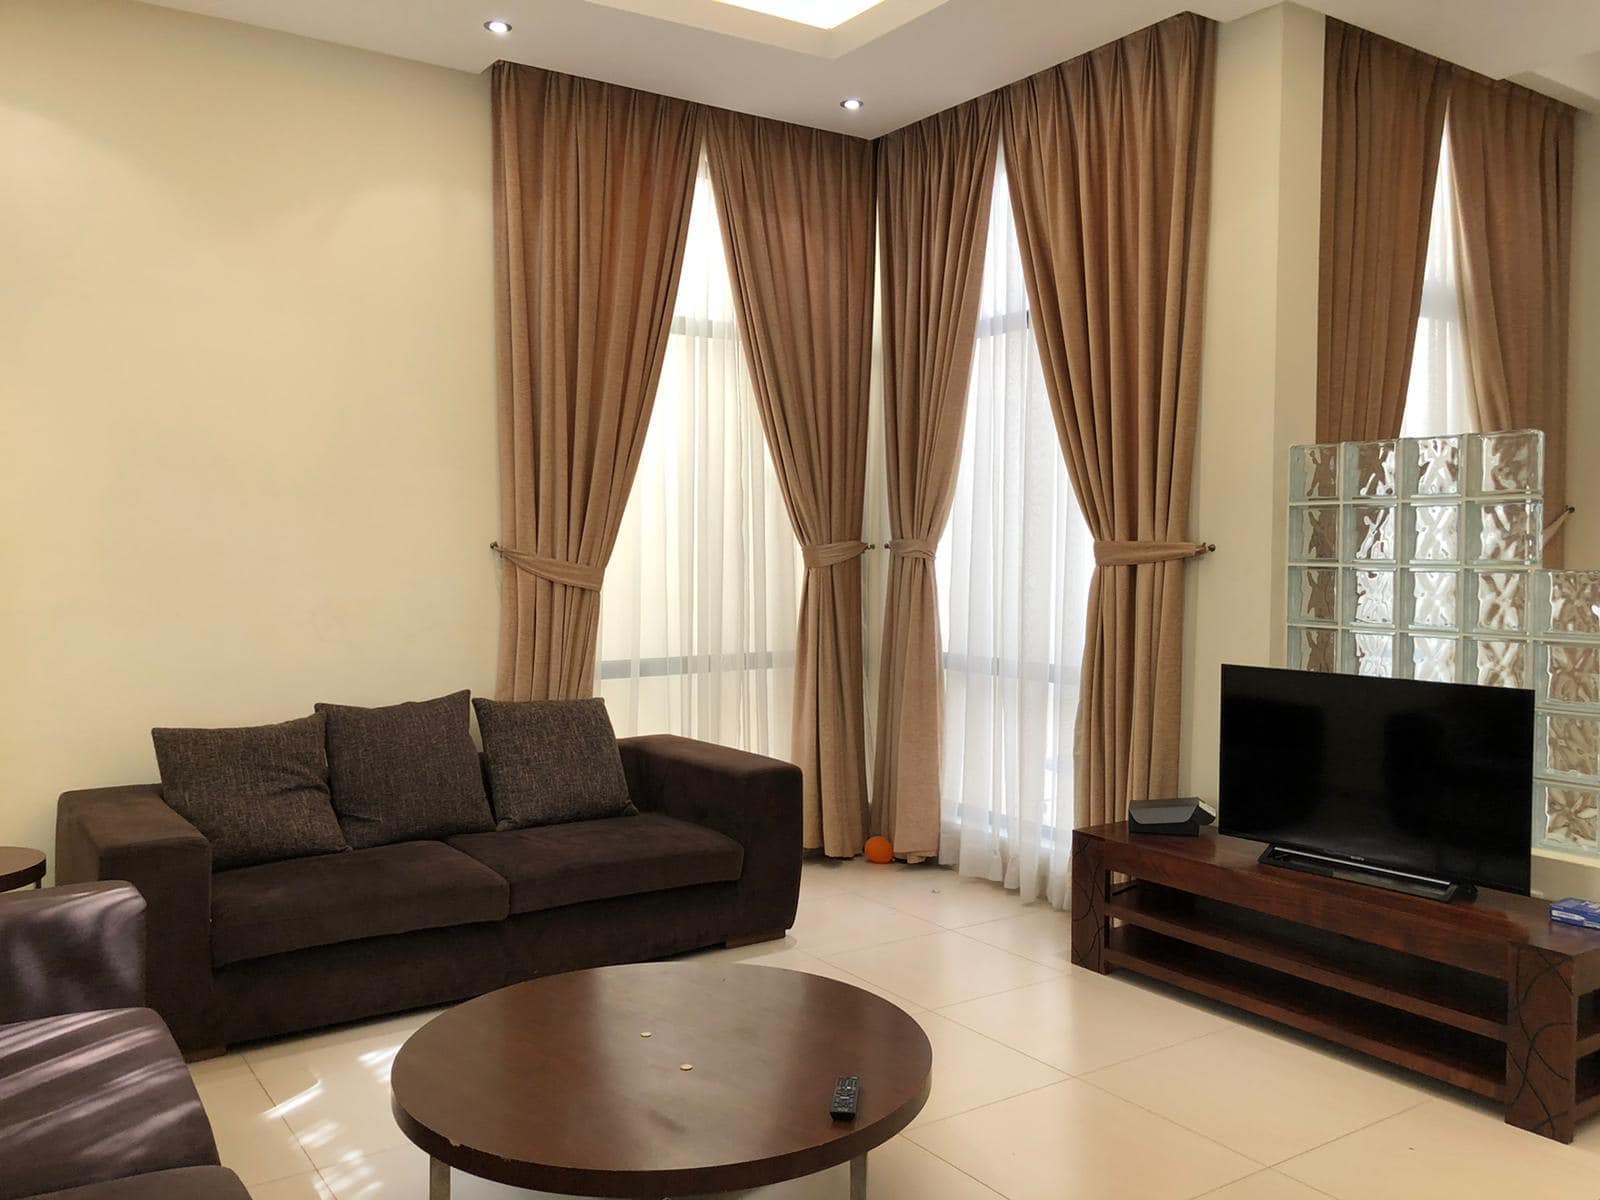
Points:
x=1438, y=399
x=1013, y=570
x=701, y=597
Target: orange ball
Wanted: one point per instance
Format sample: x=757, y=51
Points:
x=879, y=850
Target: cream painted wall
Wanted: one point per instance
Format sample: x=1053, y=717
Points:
x=246, y=386
x=1259, y=358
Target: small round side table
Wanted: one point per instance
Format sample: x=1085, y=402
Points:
x=20, y=866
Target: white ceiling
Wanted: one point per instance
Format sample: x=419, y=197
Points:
x=904, y=58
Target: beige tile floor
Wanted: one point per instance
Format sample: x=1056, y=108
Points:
x=1049, y=1083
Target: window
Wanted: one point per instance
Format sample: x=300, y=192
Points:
x=1438, y=398
x=1013, y=569
x=701, y=597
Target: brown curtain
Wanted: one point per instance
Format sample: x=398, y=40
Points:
x=1383, y=111
x=935, y=179
x=796, y=209
x=1109, y=161
x=1513, y=157
x=593, y=185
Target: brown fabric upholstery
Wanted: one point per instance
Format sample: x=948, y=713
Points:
x=555, y=865
x=549, y=761
x=95, y=1096
x=275, y=907
x=184, y=1183
x=70, y=949
x=131, y=833
x=593, y=184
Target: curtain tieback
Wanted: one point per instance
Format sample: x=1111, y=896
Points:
x=556, y=570
x=1130, y=554
x=913, y=548
x=831, y=554
x=1554, y=527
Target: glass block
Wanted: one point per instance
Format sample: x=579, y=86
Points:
x=1433, y=466
x=1570, y=673
x=1370, y=532
x=1314, y=649
x=1510, y=462
x=1314, y=595
x=1502, y=663
x=1502, y=601
x=1507, y=532
x=1370, y=596
x=1433, y=532
x=1370, y=654
x=1574, y=601
x=1434, y=658
x=1570, y=815
x=1314, y=533
x=1370, y=470
x=1433, y=599
x=1314, y=473
x=1571, y=743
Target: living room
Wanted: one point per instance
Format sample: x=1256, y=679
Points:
x=555, y=491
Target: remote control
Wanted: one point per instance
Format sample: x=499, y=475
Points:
x=846, y=1091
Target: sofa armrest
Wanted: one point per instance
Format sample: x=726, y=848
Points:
x=752, y=799
x=130, y=833
x=71, y=949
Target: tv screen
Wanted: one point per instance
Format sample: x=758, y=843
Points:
x=1432, y=779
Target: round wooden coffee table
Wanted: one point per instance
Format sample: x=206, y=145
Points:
x=658, y=1079
x=20, y=866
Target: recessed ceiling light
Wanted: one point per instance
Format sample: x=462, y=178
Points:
x=851, y=103
x=497, y=26
x=819, y=14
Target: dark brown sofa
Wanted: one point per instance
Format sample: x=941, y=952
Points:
x=95, y=1101
x=713, y=857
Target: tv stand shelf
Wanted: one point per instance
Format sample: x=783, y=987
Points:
x=1486, y=994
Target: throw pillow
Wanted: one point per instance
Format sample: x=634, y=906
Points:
x=551, y=761
x=258, y=794
x=405, y=772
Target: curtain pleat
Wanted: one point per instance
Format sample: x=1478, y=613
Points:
x=1108, y=158
x=1383, y=114
x=593, y=185
x=935, y=180
x=1513, y=154
x=796, y=207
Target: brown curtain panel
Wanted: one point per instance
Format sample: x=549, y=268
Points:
x=796, y=209
x=1513, y=157
x=1383, y=110
x=593, y=185
x=935, y=180
x=1109, y=161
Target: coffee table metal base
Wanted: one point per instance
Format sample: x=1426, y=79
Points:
x=439, y=1181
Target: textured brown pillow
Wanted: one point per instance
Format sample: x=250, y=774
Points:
x=551, y=761
x=406, y=771
x=258, y=794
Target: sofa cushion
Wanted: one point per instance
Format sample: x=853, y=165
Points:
x=258, y=793
x=555, y=865
x=405, y=771
x=278, y=907
x=185, y=1183
x=550, y=761
x=95, y=1096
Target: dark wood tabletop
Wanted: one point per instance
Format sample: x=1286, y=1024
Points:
x=20, y=866
x=553, y=1085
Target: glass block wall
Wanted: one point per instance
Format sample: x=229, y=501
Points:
x=1420, y=558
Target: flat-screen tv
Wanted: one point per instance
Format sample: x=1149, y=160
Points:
x=1427, y=779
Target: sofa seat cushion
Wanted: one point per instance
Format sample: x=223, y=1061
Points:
x=277, y=907
x=185, y=1183
x=94, y=1096
x=550, y=866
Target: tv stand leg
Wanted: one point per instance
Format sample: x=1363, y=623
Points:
x=1541, y=1044
x=1091, y=892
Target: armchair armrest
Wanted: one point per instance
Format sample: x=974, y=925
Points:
x=130, y=833
x=71, y=949
x=752, y=799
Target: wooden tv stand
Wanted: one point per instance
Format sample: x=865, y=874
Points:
x=1487, y=994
